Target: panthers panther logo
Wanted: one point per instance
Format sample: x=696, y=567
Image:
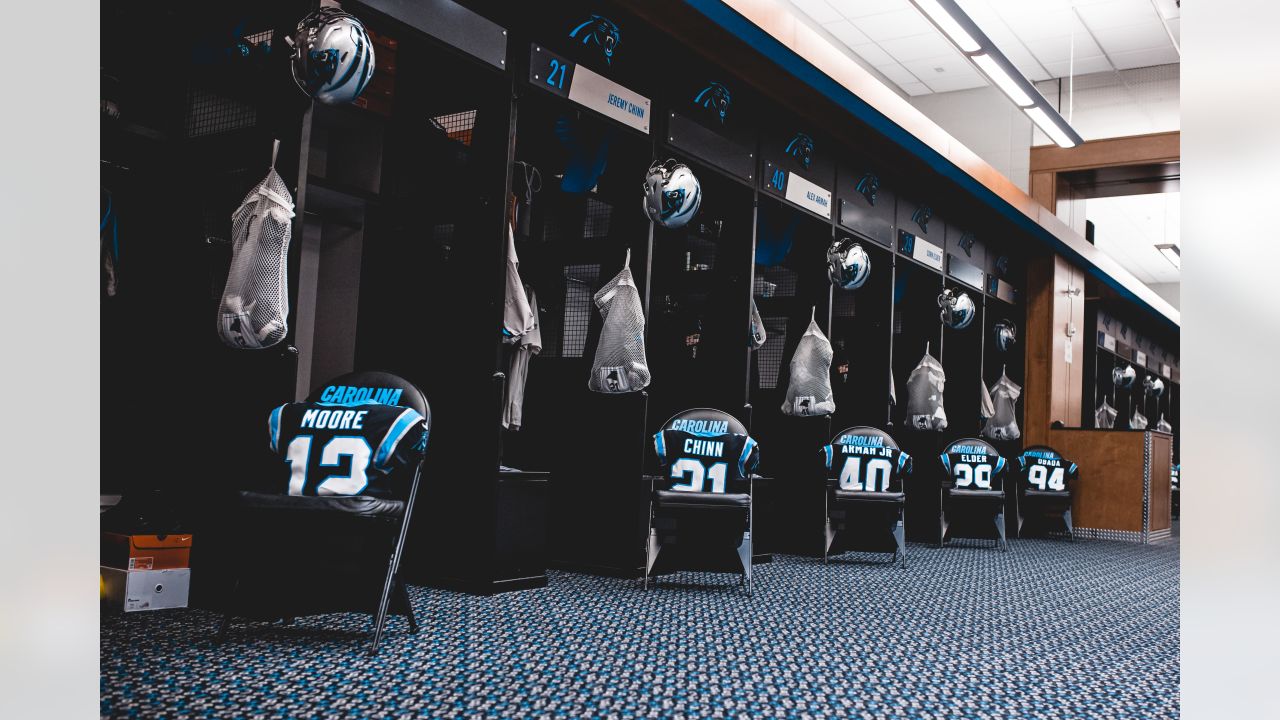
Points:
x=601, y=31
x=966, y=243
x=1002, y=265
x=921, y=217
x=868, y=186
x=801, y=148
x=716, y=97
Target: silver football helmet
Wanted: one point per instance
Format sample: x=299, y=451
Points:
x=1006, y=334
x=848, y=264
x=1153, y=386
x=671, y=194
x=958, y=309
x=332, y=56
x=1123, y=377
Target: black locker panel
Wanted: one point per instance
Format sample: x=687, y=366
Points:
x=798, y=167
x=864, y=204
x=712, y=116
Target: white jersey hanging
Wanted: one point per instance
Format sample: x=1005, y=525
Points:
x=620, y=365
x=809, y=389
x=254, y=310
x=1003, y=424
x=527, y=345
x=925, y=410
x=517, y=316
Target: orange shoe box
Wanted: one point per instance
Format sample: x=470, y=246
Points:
x=146, y=552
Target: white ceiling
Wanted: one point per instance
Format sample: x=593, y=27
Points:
x=1038, y=36
x=1129, y=227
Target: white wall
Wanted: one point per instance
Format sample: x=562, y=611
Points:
x=1169, y=291
x=984, y=121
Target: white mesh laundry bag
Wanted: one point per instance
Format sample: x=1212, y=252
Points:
x=1138, y=421
x=1105, y=415
x=620, y=365
x=986, y=407
x=255, y=301
x=1163, y=425
x=809, y=389
x=924, y=395
x=1003, y=424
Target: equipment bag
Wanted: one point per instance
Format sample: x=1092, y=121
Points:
x=809, y=390
x=924, y=395
x=620, y=365
x=1104, y=416
x=1138, y=421
x=1003, y=424
x=255, y=300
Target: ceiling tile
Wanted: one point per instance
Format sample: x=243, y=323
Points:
x=914, y=89
x=819, y=10
x=1117, y=12
x=950, y=82
x=929, y=68
x=1083, y=66
x=1059, y=49
x=1042, y=24
x=896, y=24
x=862, y=8
x=898, y=74
x=918, y=47
x=846, y=33
x=873, y=54
x=1144, y=58
x=1016, y=8
x=1026, y=63
x=1125, y=38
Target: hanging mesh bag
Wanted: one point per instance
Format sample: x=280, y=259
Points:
x=1138, y=421
x=255, y=301
x=809, y=389
x=924, y=395
x=1105, y=415
x=620, y=365
x=1003, y=425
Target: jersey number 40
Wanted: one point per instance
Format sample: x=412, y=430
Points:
x=875, y=479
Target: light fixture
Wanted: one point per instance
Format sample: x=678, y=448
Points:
x=1172, y=253
x=960, y=29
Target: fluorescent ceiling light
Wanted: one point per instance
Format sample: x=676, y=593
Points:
x=1050, y=128
x=993, y=70
x=947, y=24
x=1172, y=253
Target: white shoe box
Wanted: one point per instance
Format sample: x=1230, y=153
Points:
x=137, y=590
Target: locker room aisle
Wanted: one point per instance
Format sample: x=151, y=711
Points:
x=1049, y=629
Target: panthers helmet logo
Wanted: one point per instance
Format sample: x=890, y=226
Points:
x=801, y=148
x=716, y=97
x=868, y=186
x=921, y=217
x=966, y=243
x=601, y=31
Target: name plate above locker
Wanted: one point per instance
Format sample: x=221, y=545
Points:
x=452, y=24
x=1002, y=290
x=920, y=250
x=1140, y=358
x=711, y=147
x=808, y=195
x=1107, y=341
x=588, y=88
x=965, y=272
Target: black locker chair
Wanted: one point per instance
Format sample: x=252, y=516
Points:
x=1037, y=498
x=866, y=519
x=708, y=531
x=973, y=495
x=331, y=548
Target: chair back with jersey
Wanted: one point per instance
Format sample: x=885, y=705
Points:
x=865, y=498
x=336, y=551
x=973, y=497
x=700, y=507
x=1045, y=481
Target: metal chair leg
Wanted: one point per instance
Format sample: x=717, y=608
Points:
x=402, y=594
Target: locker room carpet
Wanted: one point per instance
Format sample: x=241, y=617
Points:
x=1048, y=630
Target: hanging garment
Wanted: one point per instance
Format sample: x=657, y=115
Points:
x=1163, y=425
x=517, y=316
x=1104, y=416
x=893, y=392
x=1138, y=421
x=527, y=346
x=255, y=301
x=924, y=395
x=809, y=389
x=986, y=408
x=757, y=327
x=1003, y=425
x=620, y=365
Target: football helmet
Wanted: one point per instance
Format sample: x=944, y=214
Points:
x=958, y=309
x=1123, y=377
x=1153, y=386
x=671, y=194
x=1006, y=334
x=332, y=56
x=848, y=264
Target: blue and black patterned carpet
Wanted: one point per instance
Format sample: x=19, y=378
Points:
x=1048, y=630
